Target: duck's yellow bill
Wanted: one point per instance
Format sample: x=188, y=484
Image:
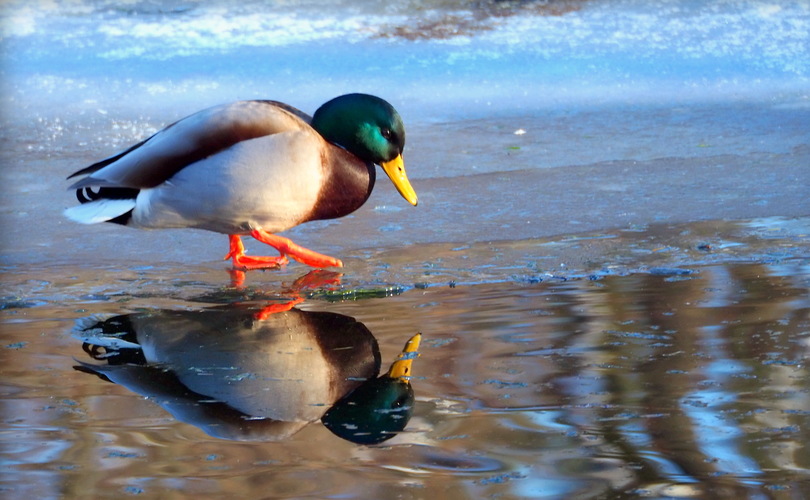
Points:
x=396, y=172
x=402, y=366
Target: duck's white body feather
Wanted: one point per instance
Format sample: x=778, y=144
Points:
x=247, y=186
x=230, y=169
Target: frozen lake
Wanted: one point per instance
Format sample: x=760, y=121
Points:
x=608, y=263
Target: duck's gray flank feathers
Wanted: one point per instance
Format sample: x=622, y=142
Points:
x=155, y=160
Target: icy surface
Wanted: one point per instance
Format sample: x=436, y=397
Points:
x=525, y=120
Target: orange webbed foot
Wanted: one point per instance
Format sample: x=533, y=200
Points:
x=303, y=255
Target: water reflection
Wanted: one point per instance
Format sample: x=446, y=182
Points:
x=649, y=385
x=256, y=372
x=679, y=385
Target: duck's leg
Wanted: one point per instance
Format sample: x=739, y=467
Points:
x=287, y=248
x=243, y=262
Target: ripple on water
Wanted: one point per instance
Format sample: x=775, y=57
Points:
x=425, y=459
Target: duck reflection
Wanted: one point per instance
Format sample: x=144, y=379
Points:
x=239, y=372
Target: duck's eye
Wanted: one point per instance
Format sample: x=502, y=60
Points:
x=387, y=134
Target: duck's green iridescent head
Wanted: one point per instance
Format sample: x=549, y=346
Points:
x=371, y=129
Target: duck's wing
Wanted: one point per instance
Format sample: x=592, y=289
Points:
x=203, y=134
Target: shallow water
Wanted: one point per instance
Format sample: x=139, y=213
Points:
x=664, y=383
x=608, y=263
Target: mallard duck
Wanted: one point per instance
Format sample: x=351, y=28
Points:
x=250, y=168
x=239, y=374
